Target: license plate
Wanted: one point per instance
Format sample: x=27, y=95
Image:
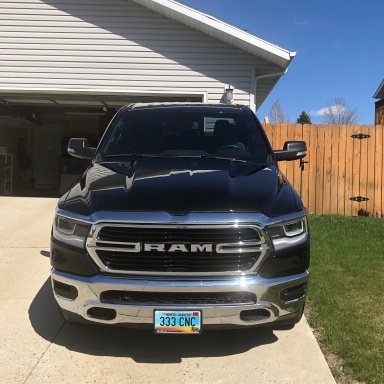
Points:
x=188, y=322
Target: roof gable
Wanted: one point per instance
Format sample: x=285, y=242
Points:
x=379, y=94
x=221, y=30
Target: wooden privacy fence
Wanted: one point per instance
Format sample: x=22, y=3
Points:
x=343, y=172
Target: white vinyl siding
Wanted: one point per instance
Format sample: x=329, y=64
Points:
x=114, y=44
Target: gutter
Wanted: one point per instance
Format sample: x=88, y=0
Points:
x=257, y=78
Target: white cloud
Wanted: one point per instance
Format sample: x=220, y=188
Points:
x=301, y=22
x=320, y=112
x=334, y=109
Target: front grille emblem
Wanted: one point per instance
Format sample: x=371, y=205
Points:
x=193, y=248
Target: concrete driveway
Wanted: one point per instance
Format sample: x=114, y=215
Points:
x=37, y=346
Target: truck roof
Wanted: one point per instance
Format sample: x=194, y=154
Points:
x=185, y=105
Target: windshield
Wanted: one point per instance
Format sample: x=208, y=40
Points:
x=186, y=132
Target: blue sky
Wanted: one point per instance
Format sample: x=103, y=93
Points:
x=339, y=45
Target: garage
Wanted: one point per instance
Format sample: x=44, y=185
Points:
x=34, y=134
x=66, y=67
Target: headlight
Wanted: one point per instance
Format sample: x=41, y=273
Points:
x=70, y=232
x=288, y=234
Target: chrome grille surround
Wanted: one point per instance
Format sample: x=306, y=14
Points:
x=260, y=245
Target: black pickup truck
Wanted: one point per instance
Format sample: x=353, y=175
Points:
x=182, y=222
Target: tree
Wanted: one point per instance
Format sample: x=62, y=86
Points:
x=337, y=112
x=304, y=118
x=277, y=115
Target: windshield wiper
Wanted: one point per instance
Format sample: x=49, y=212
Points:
x=134, y=156
x=211, y=157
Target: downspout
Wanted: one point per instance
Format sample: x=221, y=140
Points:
x=257, y=78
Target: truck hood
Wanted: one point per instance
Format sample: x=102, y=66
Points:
x=179, y=186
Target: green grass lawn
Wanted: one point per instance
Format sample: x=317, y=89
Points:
x=346, y=292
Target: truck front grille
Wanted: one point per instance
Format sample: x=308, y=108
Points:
x=177, y=235
x=196, y=249
x=176, y=298
x=178, y=262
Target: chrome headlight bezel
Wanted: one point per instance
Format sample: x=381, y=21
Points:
x=70, y=231
x=288, y=234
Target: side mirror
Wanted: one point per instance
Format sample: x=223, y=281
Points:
x=293, y=150
x=80, y=148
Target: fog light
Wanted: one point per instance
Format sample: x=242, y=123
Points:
x=102, y=313
x=65, y=290
x=254, y=314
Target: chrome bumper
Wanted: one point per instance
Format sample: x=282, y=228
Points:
x=267, y=291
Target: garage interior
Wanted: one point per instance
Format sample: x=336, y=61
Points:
x=34, y=133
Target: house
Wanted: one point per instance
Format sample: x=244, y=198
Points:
x=67, y=66
x=379, y=105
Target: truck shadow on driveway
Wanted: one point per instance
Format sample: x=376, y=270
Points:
x=141, y=345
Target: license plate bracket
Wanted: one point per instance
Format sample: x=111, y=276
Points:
x=187, y=322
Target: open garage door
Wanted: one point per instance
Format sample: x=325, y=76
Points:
x=35, y=129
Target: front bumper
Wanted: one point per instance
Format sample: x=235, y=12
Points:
x=268, y=293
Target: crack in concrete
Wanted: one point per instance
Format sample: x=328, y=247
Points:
x=44, y=352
